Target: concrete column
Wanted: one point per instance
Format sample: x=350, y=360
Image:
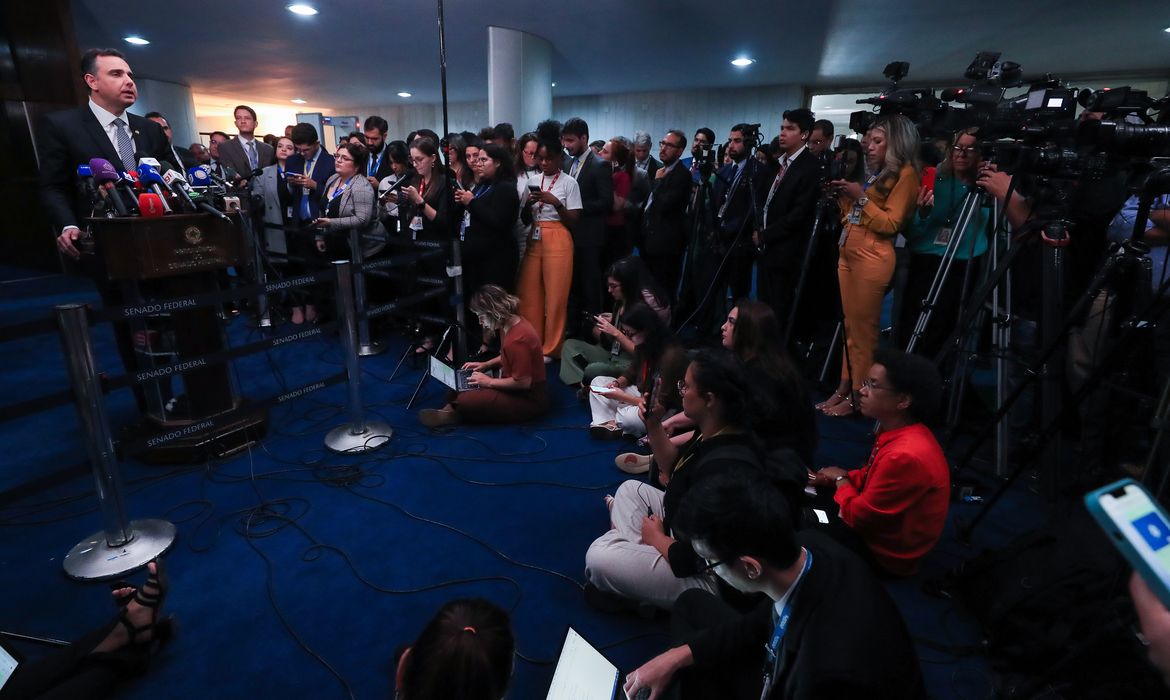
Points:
x=519, y=78
x=175, y=102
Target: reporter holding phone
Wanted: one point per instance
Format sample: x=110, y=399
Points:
x=350, y=203
x=927, y=238
x=519, y=393
x=553, y=206
x=307, y=171
x=873, y=213
x=424, y=215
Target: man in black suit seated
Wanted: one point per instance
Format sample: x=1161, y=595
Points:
x=825, y=627
x=102, y=128
x=182, y=157
x=664, y=226
x=594, y=176
x=788, y=212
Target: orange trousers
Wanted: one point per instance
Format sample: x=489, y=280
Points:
x=546, y=273
x=865, y=267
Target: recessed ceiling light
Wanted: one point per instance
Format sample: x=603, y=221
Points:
x=1167, y=30
x=743, y=61
x=136, y=40
x=302, y=9
x=404, y=94
x=554, y=84
x=299, y=101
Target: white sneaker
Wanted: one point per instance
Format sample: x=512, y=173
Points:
x=633, y=463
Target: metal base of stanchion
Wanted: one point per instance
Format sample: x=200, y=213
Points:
x=93, y=559
x=343, y=439
x=374, y=347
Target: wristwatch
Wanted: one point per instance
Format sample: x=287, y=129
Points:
x=840, y=479
x=862, y=201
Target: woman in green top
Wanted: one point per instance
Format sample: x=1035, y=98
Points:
x=927, y=238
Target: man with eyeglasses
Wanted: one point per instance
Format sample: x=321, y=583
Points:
x=825, y=627
x=307, y=171
x=664, y=224
x=892, y=510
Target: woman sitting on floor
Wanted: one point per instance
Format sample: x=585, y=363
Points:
x=628, y=282
x=616, y=402
x=638, y=561
x=518, y=394
x=465, y=651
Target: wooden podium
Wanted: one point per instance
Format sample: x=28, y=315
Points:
x=167, y=258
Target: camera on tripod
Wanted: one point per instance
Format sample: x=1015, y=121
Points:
x=920, y=106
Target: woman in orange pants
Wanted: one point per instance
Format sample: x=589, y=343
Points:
x=546, y=272
x=872, y=213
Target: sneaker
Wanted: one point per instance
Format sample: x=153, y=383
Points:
x=633, y=463
x=436, y=417
x=605, y=432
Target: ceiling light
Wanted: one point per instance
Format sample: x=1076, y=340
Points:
x=743, y=61
x=299, y=101
x=554, y=84
x=136, y=40
x=404, y=94
x=302, y=9
x=1167, y=30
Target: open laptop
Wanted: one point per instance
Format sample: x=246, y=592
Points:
x=457, y=379
x=583, y=673
x=9, y=660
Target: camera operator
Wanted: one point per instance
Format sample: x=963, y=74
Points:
x=939, y=205
x=729, y=254
x=704, y=138
x=788, y=212
x=821, y=138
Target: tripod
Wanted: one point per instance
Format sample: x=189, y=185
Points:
x=823, y=204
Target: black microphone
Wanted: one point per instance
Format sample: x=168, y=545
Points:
x=180, y=187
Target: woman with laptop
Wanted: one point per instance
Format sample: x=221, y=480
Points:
x=518, y=394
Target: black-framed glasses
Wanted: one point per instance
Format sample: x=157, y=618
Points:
x=664, y=142
x=709, y=566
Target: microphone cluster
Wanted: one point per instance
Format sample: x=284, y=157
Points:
x=155, y=189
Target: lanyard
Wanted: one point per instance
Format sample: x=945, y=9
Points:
x=375, y=164
x=580, y=162
x=480, y=191
x=310, y=164
x=550, y=186
x=772, y=650
x=340, y=190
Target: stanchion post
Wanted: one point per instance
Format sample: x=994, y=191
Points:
x=365, y=346
x=122, y=546
x=359, y=435
x=263, y=317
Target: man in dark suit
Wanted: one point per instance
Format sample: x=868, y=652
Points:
x=307, y=171
x=101, y=129
x=244, y=152
x=788, y=212
x=379, y=165
x=182, y=157
x=664, y=225
x=594, y=176
x=825, y=628
x=642, y=159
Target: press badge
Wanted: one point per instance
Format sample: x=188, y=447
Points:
x=416, y=225
x=855, y=215
x=463, y=227
x=944, y=236
x=536, y=232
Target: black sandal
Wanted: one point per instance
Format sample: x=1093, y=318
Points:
x=150, y=595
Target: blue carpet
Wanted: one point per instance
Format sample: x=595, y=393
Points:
x=309, y=595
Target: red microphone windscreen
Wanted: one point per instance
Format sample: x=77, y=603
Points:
x=150, y=205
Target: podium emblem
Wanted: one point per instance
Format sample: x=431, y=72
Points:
x=193, y=235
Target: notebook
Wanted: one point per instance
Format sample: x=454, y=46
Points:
x=457, y=379
x=583, y=673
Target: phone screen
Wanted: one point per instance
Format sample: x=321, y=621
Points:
x=1143, y=523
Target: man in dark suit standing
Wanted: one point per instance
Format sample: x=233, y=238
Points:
x=642, y=159
x=826, y=628
x=379, y=165
x=307, y=171
x=182, y=157
x=664, y=226
x=595, y=179
x=100, y=129
x=245, y=153
x=788, y=213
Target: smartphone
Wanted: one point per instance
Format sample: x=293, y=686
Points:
x=1140, y=529
x=534, y=189
x=928, y=174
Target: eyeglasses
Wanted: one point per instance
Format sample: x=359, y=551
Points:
x=963, y=150
x=874, y=386
x=682, y=388
x=418, y=161
x=665, y=143
x=344, y=159
x=709, y=566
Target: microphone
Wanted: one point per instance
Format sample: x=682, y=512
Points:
x=103, y=172
x=199, y=176
x=85, y=173
x=179, y=185
x=151, y=205
x=154, y=181
x=127, y=186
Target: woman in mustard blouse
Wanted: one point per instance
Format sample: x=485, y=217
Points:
x=872, y=214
